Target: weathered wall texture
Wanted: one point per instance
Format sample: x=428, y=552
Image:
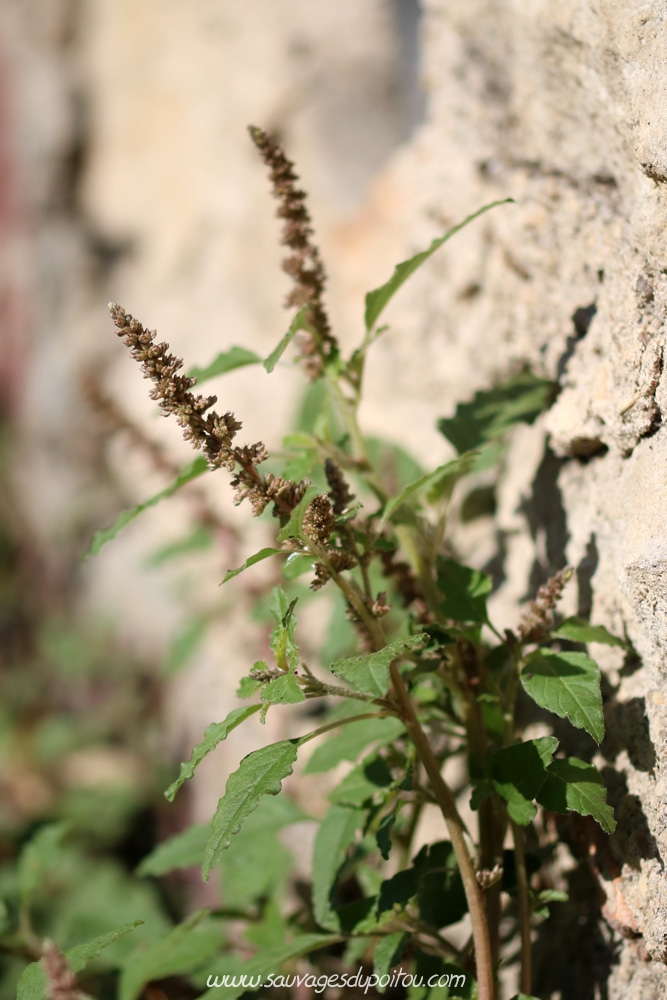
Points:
x=139, y=184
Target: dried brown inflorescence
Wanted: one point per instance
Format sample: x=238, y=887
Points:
x=210, y=432
x=60, y=980
x=304, y=265
x=404, y=578
x=319, y=520
x=537, y=622
x=339, y=560
x=339, y=492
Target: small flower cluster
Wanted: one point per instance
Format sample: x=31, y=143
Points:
x=537, y=622
x=304, y=265
x=211, y=433
x=319, y=520
x=339, y=491
x=404, y=578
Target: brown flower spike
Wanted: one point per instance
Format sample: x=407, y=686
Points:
x=538, y=620
x=210, y=432
x=304, y=265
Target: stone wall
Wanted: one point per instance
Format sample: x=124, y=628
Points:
x=135, y=181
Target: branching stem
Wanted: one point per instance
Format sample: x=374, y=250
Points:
x=447, y=804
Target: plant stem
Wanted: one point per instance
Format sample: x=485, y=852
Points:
x=474, y=896
x=341, y=722
x=524, y=907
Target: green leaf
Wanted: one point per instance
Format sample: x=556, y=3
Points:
x=283, y=638
x=262, y=965
x=184, y=645
x=455, y=984
x=465, y=591
x=493, y=411
x=397, y=467
x=383, y=835
x=441, y=896
x=572, y=785
x=480, y=792
x=297, y=564
x=293, y=527
x=336, y=833
x=398, y=889
x=567, y=684
x=226, y=361
x=362, y=783
x=32, y=983
x=183, y=850
x=197, y=541
x=298, y=323
x=379, y=297
x=519, y=772
x=80, y=955
x=248, y=686
x=387, y=954
x=182, y=951
x=255, y=864
x=437, y=483
x=250, y=561
x=269, y=932
x=214, y=734
x=260, y=773
x=578, y=630
x=434, y=878
x=354, y=738
x=100, y=538
x=40, y=855
x=283, y=690
x=370, y=672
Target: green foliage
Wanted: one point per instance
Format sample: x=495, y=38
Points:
x=183, y=950
x=261, y=773
x=265, y=963
x=181, y=851
x=379, y=297
x=567, y=684
x=464, y=592
x=572, y=785
x=185, y=644
x=33, y=985
x=370, y=672
x=355, y=737
x=215, y=734
x=493, y=412
x=579, y=630
x=250, y=561
x=363, y=782
x=408, y=673
x=336, y=833
x=519, y=772
x=435, y=484
x=226, y=361
x=100, y=538
x=298, y=323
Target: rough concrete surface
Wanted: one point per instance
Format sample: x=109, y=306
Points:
x=134, y=180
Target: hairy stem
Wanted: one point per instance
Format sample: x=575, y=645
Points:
x=447, y=804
